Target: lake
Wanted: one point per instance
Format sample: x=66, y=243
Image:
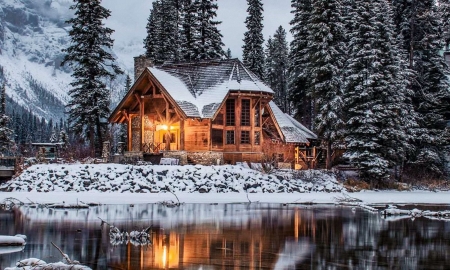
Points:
x=230, y=236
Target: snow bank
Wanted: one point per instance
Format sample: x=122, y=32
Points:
x=17, y=240
x=38, y=264
x=159, y=178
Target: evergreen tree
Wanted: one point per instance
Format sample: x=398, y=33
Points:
x=444, y=13
x=127, y=86
x=189, y=26
x=208, y=39
x=253, y=52
x=88, y=56
x=276, y=68
x=298, y=70
x=163, y=36
x=228, y=55
x=418, y=24
x=376, y=97
x=326, y=51
x=152, y=42
x=6, y=133
x=54, y=136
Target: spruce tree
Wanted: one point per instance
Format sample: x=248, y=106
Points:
x=89, y=56
x=253, y=51
x=228, y=54
x=189, y=26
x=419, y=24
x=444, y=13
x=152, y=42
x=6, y=134
x=163, y=31
x=298, y=70
x=326, y=53
x=207, y=39
x=376, y=97
x=276, y=68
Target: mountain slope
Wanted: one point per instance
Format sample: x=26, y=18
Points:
x=32, y=35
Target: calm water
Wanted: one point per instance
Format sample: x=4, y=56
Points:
x=231, y=236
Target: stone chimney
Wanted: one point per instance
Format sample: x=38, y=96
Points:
x=141, y=62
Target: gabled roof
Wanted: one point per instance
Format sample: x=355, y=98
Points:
x=292, y=130
x=200, y=88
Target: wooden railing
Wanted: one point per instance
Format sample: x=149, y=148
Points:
x=153, y=148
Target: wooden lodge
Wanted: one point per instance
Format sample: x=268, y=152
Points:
x=212, y=112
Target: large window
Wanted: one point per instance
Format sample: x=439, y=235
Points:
x=245, y=137
x=245, y=112
x=217, y=137
x=230, y=113
x=230, y=136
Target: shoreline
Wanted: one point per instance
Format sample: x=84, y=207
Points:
x=110, y=198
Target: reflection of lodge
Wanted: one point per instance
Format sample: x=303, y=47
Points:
x=251, y=246
x=207, y=112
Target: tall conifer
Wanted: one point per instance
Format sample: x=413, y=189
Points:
x=208, y=39
x=253, y=51
x=276, y=68
x=298, y=70
x=91, y=61
x=376, y=97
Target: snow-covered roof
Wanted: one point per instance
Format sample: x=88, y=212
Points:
x=292, y=130
x=200, y=88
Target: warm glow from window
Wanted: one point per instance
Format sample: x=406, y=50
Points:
x=164, y=257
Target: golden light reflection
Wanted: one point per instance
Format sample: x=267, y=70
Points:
x=164, y=257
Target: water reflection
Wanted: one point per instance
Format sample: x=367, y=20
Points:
x=232, y=236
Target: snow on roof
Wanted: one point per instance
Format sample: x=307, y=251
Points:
x=200, y=88
x=292, y=130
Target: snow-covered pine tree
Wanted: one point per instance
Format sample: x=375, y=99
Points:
x=151, y=42
x=253, y=51
x=189, y=26
x=54, y=136
x=228, y=54
x=418, y=24
x=6, y=134
x=127, y=86
x=276, y=68
x=207, y=38
x=326, y=52
x=298, y=70
x=91, y=61
x=123, y=129
x=375, y=96
x=444, y=13
x=163, y=31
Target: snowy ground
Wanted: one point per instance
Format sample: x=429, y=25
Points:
x=127, y=184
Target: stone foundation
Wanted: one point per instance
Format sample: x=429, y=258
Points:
x=202, y=158
x=180, y=155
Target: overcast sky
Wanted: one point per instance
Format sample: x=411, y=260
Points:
x=129, y=18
